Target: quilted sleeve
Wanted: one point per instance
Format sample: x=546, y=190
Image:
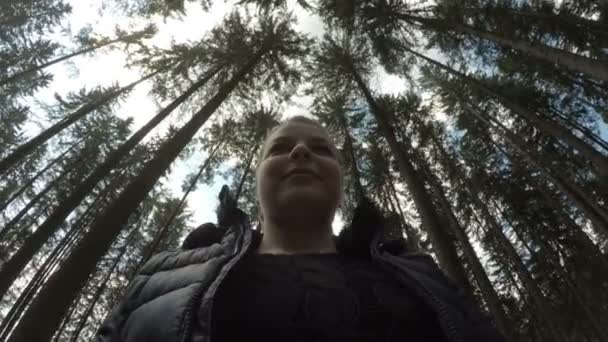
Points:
x=203, y=236
x=111, y=328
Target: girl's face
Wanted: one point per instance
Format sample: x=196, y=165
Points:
x=299, y=173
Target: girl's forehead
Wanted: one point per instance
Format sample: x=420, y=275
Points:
x=299, y=131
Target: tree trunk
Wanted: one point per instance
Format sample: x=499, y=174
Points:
x=548, y=127
x=43, y=272
x=22, y=151
x=37, y=175
x=529, y=283
x=163, y=231
x=585, y=131
x=64, y=58
x=54, y=300
x=593, y=68
x=479, y=273
x=552, y=254
x=12, y=268
x=441, y=240
x=102, y=287
x=581, y=239
x=66, y=319
x=412, y=236
x=246, y=170
x=544, y=309
x=13, y=222
x=597, y=215
x=348, y=142
x=595, y=25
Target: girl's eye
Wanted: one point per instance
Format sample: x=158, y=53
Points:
x=278, y=148
x=322, y=149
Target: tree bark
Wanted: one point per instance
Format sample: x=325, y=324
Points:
x=11, y=269
x=593, y=68
x=548, y=127
x=22, y=151
x=54, y=300
x=441, y=240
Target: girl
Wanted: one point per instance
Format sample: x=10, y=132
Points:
x=294, y=280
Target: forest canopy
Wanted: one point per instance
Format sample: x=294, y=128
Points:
x=478, y=127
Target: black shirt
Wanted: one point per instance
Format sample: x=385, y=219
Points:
x=317, y=297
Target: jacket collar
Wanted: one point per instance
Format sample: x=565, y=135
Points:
x=362, y=238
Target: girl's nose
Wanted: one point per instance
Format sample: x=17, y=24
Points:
x=300, y=151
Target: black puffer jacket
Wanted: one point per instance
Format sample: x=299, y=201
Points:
x=175, y=288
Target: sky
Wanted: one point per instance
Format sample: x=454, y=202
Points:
x=108, y=67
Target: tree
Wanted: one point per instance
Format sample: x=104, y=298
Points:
x=13, y=267
x=276, y=40
x=332, y=111
x=31, y=181
x=93, y=43
x=334, y=62
x=91, y=102
x=378, y=17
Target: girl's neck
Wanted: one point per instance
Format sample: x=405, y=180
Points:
x=296, y=239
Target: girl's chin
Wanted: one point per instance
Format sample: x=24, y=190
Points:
x=303, y=199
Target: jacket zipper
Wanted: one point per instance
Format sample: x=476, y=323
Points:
x=188, y=317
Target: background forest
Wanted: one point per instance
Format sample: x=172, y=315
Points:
x=478, y=126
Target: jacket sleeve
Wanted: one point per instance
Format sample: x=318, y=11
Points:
x=111, y=330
